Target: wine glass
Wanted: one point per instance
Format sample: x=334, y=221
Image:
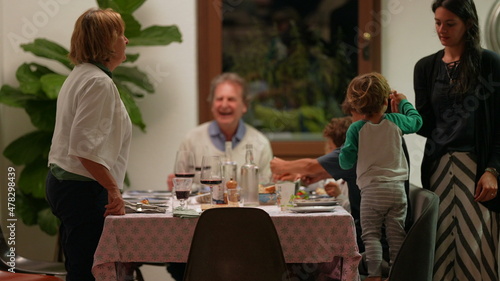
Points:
x=184, y=164
x=182, y=188
x=211, y=175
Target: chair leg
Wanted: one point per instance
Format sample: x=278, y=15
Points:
x=341, y=267
x=129, y=271
x=138, y=273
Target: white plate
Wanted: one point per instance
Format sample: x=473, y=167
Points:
x=315, y=202
x=147, y=193
x=312, y=209
x=153, y=201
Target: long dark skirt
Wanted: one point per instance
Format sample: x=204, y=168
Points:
x=467, y=234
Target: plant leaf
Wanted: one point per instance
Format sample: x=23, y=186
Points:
x=51, y=84
x=29, y=147
x=132, y=109
x=157, y=35
x=132, y=26
x=48, y=222
x=42, y=113
x=39, y=69
x=27, y=207
x=133, y=75
x=29, y=82
x=28, y=75
x=14, y=97
x=50, y=50
x=121, y=6
x=32, y=178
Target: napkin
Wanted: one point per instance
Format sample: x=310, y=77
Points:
x=142, y=208
x=187, y=213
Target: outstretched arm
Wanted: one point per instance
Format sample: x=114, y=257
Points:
x=306, y=168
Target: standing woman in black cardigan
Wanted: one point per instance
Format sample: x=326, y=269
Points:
x=458, y=95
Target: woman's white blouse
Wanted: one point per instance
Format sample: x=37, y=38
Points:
x=91, y=123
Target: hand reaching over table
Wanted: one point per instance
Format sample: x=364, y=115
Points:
x=332, y=188
x=307, y=169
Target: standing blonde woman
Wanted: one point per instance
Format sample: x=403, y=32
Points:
x=458, y=95
x=90, y=145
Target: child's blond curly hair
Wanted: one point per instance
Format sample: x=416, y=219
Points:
x=367, y=93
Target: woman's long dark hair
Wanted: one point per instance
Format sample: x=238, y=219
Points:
x=470, y=60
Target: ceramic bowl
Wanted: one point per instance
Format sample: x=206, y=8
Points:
x=267, y=198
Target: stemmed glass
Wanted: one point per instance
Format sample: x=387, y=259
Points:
x=184, y=173
x=182, y=187
x=211, y=175
x=184, y=164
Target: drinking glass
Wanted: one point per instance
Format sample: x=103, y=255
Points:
x=184, y=164
x=182, y=189
x=211, y=175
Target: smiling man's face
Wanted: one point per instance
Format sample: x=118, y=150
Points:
x=228, y=106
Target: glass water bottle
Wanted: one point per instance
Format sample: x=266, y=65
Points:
x=249, y=179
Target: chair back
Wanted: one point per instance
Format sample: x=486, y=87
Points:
x=26, y=277
x=26, y=265
x=235, y=244
x=415, y=259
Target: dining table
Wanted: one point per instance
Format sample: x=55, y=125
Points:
x=311, y=242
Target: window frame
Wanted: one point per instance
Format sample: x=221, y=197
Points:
x=209, y=14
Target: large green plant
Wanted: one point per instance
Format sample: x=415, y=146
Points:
x=37, y=94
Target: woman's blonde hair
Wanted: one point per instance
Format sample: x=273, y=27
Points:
x=95, y=33
x=367, y=93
